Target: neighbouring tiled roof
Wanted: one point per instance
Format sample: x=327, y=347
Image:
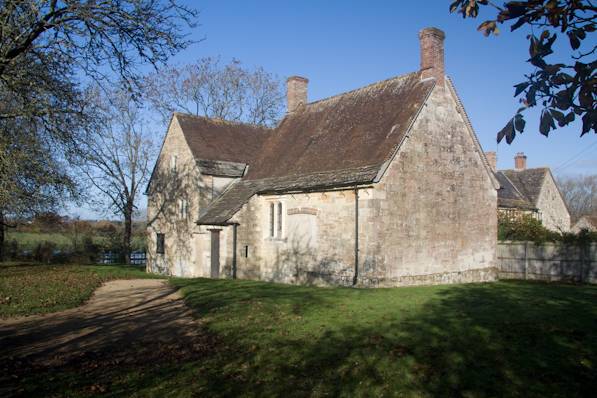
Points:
x=520, y=188
x=216, y=139
x=509, y=196
x=339, y=141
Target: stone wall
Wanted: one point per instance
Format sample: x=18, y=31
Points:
x=185, y=242
x=317, y=241
x=549, y=261
x=433, y=216
x=431, y=219
x=552, y=208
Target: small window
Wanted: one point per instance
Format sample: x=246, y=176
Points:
x=183, y=208
x=279, y=220
x=160, y=238
x=246, y=251
x=173, y=163
x=272, y=213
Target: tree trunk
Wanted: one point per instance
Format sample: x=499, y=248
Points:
x=128, y=232
x=1, y=236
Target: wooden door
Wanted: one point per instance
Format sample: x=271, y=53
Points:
x=215, y=253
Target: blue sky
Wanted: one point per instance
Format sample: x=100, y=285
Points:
x=343, y=45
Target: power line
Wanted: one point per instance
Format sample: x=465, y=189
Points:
x=571, y=160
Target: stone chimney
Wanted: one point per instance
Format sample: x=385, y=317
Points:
x=431, y=41
x=520, y=161
x=492, y=160
x=296, y=92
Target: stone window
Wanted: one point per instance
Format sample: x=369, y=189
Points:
x=183, y=208
x=279, y=234
x=160, y=239
x=272, y=213
x=276, y=220
x=173, y=163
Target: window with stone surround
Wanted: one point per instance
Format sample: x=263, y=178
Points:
x=160, y=246
x=276, y=220
x=272, y=213
x=173, y=159
x=183, y=208
x=279, y=234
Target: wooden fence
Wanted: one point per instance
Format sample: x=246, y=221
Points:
x=137, y=258
x=548, y=261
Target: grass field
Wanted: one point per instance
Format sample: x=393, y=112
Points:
x=507, y=339
x=34, y=289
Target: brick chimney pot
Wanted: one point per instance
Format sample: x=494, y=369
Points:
x=520, y=161
x=431, y=41
x=296, y=92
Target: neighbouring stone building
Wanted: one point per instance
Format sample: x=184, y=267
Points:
x=384, y=185
x=585, y=222
x=533, y=192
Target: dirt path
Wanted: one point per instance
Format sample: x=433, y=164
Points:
x=142, y=313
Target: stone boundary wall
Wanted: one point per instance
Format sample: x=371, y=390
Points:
x=548, y=261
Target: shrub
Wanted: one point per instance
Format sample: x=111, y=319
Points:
x=528, y=228
x=524, y=228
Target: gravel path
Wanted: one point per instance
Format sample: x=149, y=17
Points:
x=120, y=313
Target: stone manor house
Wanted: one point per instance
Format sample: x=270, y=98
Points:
x=384, y=185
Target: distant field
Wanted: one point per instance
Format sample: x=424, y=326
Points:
x=30, y=240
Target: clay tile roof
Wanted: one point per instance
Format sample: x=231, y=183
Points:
x=509, y=196
x=339, y=141
x=355, y=129
x=527, y=183
x=215, y=139
x=226, y=205
x=221, y=168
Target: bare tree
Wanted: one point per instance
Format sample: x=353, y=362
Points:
x=580, y=194
x=49, y=51
x=118, y=158
x=34, y=176
x=208, y=88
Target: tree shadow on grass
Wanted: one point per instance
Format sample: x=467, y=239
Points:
x=208, y=295
x=503, y=339
x=514, y=339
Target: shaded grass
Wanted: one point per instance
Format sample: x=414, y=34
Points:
x=507, y=339
x=500, y=339
x=27, y=289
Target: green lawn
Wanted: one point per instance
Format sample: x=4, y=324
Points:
x=500, y=339
x=33, y=289
x=506, y=339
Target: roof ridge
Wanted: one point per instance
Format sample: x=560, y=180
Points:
x=528, y=168
x=221, y=121
x=362, y=88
